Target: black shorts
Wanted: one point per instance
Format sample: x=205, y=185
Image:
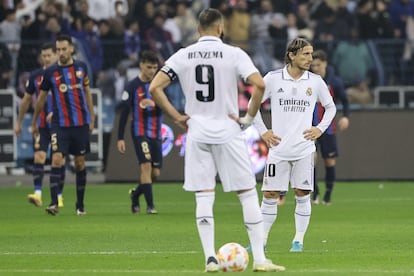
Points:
x=148, y=150
x=41, y=142
x=71, y=140
x=327, y=145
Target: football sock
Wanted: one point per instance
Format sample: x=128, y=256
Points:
x=205, y=221
x=147, y=190
x=138, y=191
x=315, y=186
x=253, y=221
x=62, y=180
x=80, y=188
x=269, y=212
x=302, y=216
x=54, y=184
x=38, y=173
x=329, y=181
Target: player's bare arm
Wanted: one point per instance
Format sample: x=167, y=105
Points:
x=157, y=86
x=121, y=146
x=270, y=138
x=24, y=106
x=258, y=83
x=41, y=101
x=89, y=102
x=343, y=123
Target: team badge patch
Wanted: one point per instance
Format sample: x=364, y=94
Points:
x=63, y=88
x=309, y=91
x=79, y=74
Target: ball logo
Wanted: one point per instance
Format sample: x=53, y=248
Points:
x=63, y=88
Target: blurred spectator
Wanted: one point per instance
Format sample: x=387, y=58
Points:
x=355, y=66
x=10, y=29
x=344, y=14
x=132, y=41
x=6, y=73
x=144, y=11
x=262, y=44
x=159, y=39
x=99, y=9
x=112, y=45
x=186, y=21
x=399, y=11
x=373, y=20
x=329, y=28
x=238, y=25
x=117, y=21
x=92, y=46
x=113, y=82
x=277, y=30
x=169, y=24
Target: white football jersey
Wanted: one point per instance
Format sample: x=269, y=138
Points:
x=292, y=105
x=208, y=71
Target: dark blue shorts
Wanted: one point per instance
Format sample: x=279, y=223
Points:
x=327, y=146
x=41, y=142
x=71, y=140
x=148, y=150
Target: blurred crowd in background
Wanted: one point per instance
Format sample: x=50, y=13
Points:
x=369, y=42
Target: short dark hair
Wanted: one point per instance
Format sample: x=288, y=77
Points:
x=320, y=54
x=208, y=17
x=65, y=37
x=48, y=45
x=149, y=56
x=294, y=46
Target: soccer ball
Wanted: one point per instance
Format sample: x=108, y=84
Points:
x=233, y=257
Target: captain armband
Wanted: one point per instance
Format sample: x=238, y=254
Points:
x=170, y=73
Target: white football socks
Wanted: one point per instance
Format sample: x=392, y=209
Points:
x=302, y=216
x=205, y=222
x=269, y=212
x=254, y=223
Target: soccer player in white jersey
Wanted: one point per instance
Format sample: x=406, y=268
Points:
x=293, y=92
x=208, y=72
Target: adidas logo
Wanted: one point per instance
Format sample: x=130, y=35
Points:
x=204, y=222
x=280, y=90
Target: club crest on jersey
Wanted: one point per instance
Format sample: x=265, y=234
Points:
x=79, y=74
x=309, y=91
x=63, y=88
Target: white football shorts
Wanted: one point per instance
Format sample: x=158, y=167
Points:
x=279, y=173
x=230, y=160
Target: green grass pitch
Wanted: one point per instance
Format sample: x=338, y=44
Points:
x=368, y=230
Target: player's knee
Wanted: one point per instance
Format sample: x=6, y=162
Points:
x=57, y=159
x=79, y=163
x=299, y=192
x=271, y=194
x=155, y=172
x=40, y=157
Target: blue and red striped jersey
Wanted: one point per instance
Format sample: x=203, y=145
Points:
x=145, y=121
x=67, y=85
x=337, y=90
x=33, y=88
